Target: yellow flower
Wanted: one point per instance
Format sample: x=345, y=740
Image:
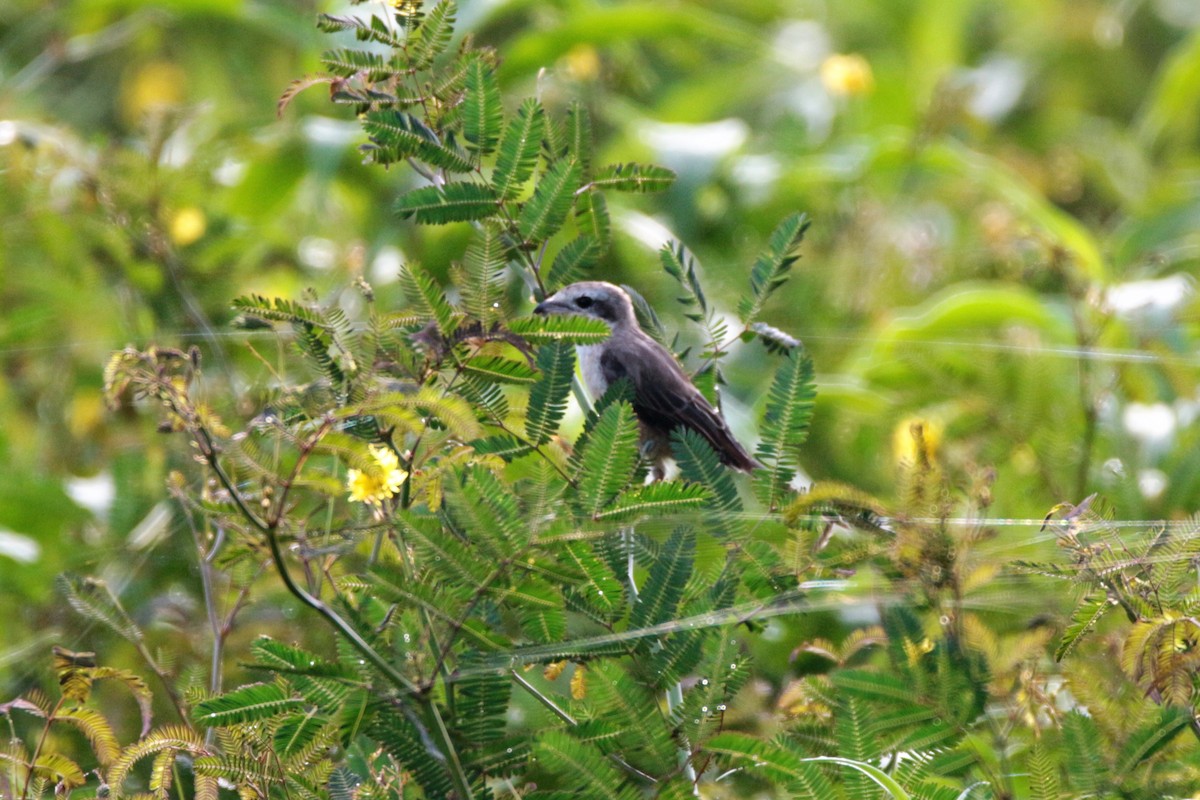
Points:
x=375, y=486
x=917, y=438
x=582, y=62
x=187, y=225
x=845, y=75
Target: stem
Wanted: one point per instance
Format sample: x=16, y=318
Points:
x=37, y=751
x=567, y=718
x=271, y=531
x=674, y=694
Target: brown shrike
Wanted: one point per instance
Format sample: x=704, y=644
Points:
x=663, y=395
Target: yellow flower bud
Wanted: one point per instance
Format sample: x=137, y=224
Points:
x=845, y=75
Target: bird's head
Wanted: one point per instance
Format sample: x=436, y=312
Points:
x=597, y=299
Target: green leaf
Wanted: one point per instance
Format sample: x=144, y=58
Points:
x=348, y=63
x=633, y=178
x=657, y=499
x=297, y=734
x=481, y=278
x=592, y=218
x=579, y=135
x=451, y=202
x=1087, y=614
x=1086, y=764
x=777, y=763
x=93, y=599
x=501, y=370
x=392, y=729
x=885, y=781
x=481, y=703
x=441, y=549
x=343, y=784
x=482, y=112
x=487, y=511
x=875, y=687
x=545, y=212
x=249, y=703
x=422, y=291
x=1151, y=738
x=402, y=136
x=599, y=589
x=542, y=330
x=433, y=37
x=665, y=584
x=442, y=603
x=548, y=397
x=1043, y=775
x=584, y=766
x=679, y=654
x=539, y=609
x=785, y=427
x=699, y=463
x=680, y=265
x=572, y=261
x=519, y=148
x=604, y=463
x=374, y=31
x=507, y=447
x=773, y=264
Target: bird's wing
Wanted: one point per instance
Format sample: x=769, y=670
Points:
x=664, y=397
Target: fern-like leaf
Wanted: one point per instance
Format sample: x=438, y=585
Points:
x=677, y=262
x=482, y=112
x=451, y=202
x=254, y=701
x=481, y=279
x=699, y=463
x=584, y=766
x=772, y=266
x=374, y=30
x=518, y=152
x=604, y=463
x=169, y=737
x=501, y=370
x=1152, y=737
x=1086, y=616
x=545, y=212
x=548, y=397
x=667, y=580
x=392, y=729
x=560, y=328
x=1086, y=767
x=350, y=63
x=659, y=498
x=785, y=427
x=571, y=262
x=93, y=599
x=802, y=778
x=422, y=291
x=96, y=728
x=1043, y=775
x=578, y=136
x=633, y=178
x=433, y=37
x=402, y=136
x=592, y=217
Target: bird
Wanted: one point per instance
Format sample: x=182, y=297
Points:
x=664, y=398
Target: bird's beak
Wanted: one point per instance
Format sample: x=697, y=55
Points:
x=551, y=306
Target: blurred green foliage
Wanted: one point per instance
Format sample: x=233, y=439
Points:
x=1006, y=230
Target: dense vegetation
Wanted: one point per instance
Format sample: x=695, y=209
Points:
x=347, y=526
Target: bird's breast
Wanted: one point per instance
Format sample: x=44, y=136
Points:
x=589, y=365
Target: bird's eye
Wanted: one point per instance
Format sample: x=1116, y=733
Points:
x=584, y=302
